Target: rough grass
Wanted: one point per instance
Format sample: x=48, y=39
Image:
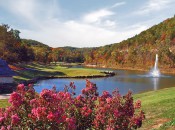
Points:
x=159, y=107
x=4, y=103
x=38, y=70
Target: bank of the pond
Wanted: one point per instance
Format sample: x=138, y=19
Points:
x=31, y=73
x=159, y=108
x=144, y=69
x=162, y=70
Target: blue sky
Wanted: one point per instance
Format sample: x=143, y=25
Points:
x=83, y=23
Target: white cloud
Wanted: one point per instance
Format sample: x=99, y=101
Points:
x=153, y=5
x=109, y=23
x=97, y=16
x=118, y=4
x=57, y=33
x=96, y=28
x=21, y=8
x=32, y=12
x=72, y=33
x=77, y=34
x=102, y=16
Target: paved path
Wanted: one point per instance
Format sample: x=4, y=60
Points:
x=4, y=96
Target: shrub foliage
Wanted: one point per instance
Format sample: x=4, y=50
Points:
x=64, y=111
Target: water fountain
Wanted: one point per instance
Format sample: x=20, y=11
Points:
x=155, y=71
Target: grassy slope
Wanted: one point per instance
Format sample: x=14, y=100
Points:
x=159, y=107
x=37, y=70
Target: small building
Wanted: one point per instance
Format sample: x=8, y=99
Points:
x=6, y=74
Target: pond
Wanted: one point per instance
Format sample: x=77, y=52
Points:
x=124, y=81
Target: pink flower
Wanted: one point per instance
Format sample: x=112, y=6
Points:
x=1, y=119
x=85, y=111
x=116, y=113
x=15, y=99
x=64, y=117
x=8, y=127
x=67, y=96
x=50, y=116
x=30, y=85
x=84, y=108
x=46, y=94
x=39, y=112
x=106, y=94
x=137, y=104
x=5, y=115
x=108, y=100
x=89, y=111
x=110, y=128
x=71, y=123
x=79, y=97
x=21, y=87
x=15, y=119
x=8, y=111
x=71, y=83
x=34, y=103
x=54, y=116
x=83, y=91
x=3, y=128
x=74, y=87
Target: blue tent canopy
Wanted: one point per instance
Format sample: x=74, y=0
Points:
x=5, y=71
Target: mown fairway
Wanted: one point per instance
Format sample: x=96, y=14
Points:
x=32, y=71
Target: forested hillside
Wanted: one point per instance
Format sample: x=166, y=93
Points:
x=11, y=47
x=138, y=51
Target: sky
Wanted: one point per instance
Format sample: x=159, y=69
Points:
x=83, y=23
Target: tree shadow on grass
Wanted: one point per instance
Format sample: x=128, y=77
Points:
x=34, y=73
x=37, y=66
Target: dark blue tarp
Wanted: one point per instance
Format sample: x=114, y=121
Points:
x=5, y=70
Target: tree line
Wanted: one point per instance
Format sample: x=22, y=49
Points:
x=13, y=49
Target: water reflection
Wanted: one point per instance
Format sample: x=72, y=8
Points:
x=155, y=83
x=124, y=80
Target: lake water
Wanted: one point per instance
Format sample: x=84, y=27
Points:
x=125, y=80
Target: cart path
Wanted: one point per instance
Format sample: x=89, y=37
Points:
x=4, y=96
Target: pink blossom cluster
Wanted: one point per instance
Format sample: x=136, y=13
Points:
x=54, y=110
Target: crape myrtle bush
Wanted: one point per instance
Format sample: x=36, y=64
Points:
x=52, y=110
